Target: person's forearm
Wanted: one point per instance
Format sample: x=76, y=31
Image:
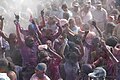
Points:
x=109, y=53
x=43, y=22
x=4, y=36
x=63, y=48
x=1, y=25
x=55, y=36
x=55, y=54
x=18, y=31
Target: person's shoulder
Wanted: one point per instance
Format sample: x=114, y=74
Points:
x=117, y=26
x=34, y=77
x=104, y=10
x=3, y=76
x=47, y=78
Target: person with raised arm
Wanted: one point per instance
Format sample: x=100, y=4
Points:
x=28, y=49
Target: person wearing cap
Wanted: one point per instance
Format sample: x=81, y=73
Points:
x=92, y=8
x=76, y=9
x=66, y=10
x=40, y=71
x=100, y=16
x=3, y=69
x=86, y=14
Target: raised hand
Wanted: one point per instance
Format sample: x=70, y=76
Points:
x=17, y=17
x=1, y=18
x=93, y=23
x=42, y=12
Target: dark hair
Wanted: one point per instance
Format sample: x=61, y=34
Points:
x=112, y=41
x=86, y=68
x=42, y=54
x=64, y=6
x=3, y=63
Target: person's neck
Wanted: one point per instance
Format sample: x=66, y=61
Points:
x=41, y=76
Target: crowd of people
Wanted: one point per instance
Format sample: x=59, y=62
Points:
x=79, y=42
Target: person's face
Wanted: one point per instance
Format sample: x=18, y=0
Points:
x=95, y=42
x=78, y=20
x=29, y=42
x=48, y=33
x=51, y=21
x=49, y=43
x=31, y=30
x=72, y=22
x=13, y=38
x=61, y=39
x=39, y=73
x=86, y=27
x=64, y=8
x=99, y=7
x=76, y=8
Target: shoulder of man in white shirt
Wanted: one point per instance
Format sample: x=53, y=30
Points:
x=3, y=76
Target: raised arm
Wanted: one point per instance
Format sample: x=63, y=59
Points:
x=109, y=53
x=99, y=31
x=55, y=36
x=55, y=54
x=1, y=22
x=80, y=44
x=16, y=22
x=4, y=36
x=62, y=48
x=43, y=19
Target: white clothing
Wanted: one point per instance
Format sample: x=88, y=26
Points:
x=69, y=12
x=4, y=43
x=34, y=77
x=3, y=76
x=75, y=29
x=100, y=15
x=85, y=56
x=56, y=13
x=86, y=17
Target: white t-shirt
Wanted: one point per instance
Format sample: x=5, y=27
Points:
x=3, y=76
x=100, y=15
x=86, y=17
x=34, y=77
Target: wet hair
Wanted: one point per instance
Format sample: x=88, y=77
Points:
x=109, y=27
x=29, y=41
x=95, y=41
x=64, y=6
x=12, y=35
x=112, y=41
x=42, y=54
x=86, y=68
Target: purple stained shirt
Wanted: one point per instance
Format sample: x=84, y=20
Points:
x=29, y=56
